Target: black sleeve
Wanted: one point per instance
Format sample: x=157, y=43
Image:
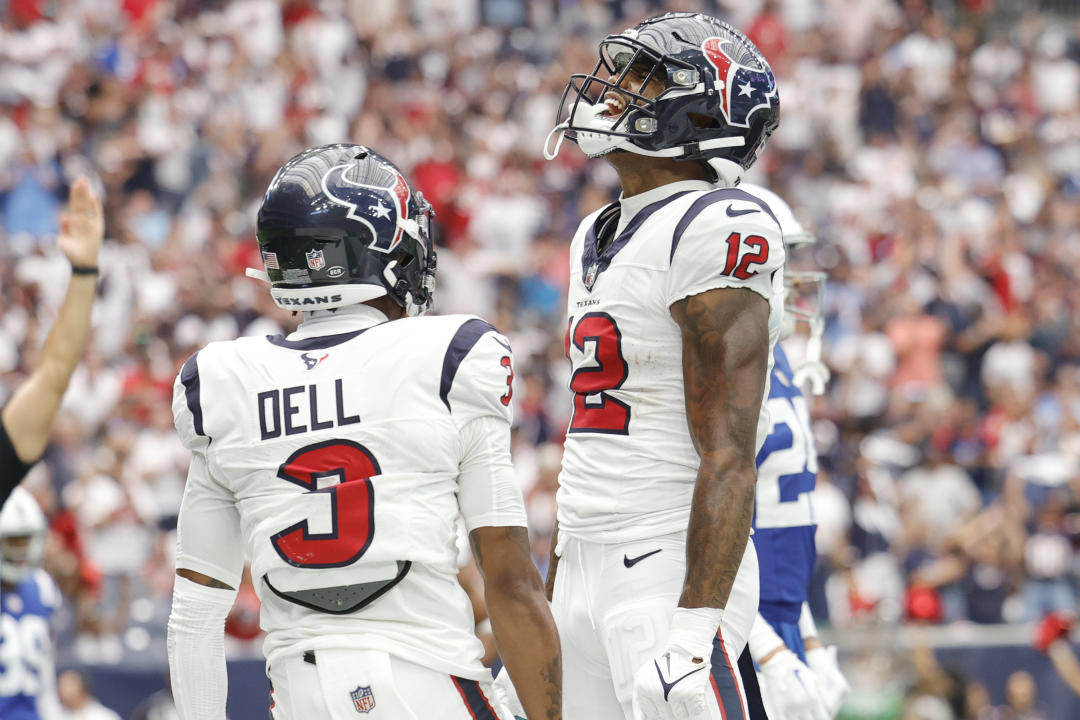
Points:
x=12, y=469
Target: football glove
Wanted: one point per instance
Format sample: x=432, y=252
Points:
x=831, y=682
x=672, y=687
x=505, y=697
x=789, y=689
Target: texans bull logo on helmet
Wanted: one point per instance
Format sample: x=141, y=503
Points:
x=383, y=217
x=747, y=84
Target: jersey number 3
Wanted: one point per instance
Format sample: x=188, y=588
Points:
x=598, y=367
x=352, y=504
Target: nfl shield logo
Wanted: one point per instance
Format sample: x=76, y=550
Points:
x=363, y=699
x=590, y=276
x=315, y=259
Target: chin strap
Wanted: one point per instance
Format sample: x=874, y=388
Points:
x=559, y=129
x=596, y=137
x=813, y=371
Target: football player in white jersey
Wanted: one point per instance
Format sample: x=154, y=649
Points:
x=675, y=302
x=784, y=637
x=337, y=461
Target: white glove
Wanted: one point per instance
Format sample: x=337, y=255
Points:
x=831, y=682
x=505, y=697
x=813, y=372
x=672, y=687
x=789, y=689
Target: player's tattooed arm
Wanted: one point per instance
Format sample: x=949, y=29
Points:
x=725, y=340
x=553, y=564
x=521, y=618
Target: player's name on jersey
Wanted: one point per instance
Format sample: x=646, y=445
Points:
x=295, y=410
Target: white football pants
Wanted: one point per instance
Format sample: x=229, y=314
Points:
x=613, y=605
x=345, y=684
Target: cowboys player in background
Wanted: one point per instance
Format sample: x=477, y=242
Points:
x=674, y=305
x=784, y=637
x=338, y=458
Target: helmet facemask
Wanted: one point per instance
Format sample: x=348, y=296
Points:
x=411, y=273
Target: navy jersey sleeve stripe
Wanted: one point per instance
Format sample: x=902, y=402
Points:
x=12, y=469
x=474, y=699
x=189, y=377
x=711, y=198
x=463, y=341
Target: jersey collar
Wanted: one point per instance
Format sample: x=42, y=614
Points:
x=634, y=204
x=350, y=318
x=638, y=208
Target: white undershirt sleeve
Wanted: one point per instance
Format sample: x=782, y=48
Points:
x=807, y=626
x=196, y=646
x=763, y=639
x=488, y=494
x=209, y=541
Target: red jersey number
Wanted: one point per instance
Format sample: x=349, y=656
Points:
x=352, y=504
x=757, y=254
x=509, y=365
x=594, y=409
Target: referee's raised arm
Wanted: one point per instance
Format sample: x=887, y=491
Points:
x=26, y=421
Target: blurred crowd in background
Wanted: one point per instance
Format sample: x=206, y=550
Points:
x=933, y=147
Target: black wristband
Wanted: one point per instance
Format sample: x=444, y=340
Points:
x=84, y=270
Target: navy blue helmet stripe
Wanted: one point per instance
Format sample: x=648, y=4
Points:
x=478, y=705
x=189, y=377
x=711, y=198
x=463, y=341
x=313, y=343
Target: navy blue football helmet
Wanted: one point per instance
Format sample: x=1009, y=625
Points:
x=718, y=103
x=339, y=225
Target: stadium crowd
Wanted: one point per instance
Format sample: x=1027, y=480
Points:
x=932, y=147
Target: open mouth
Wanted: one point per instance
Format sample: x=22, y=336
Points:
x=614, y=105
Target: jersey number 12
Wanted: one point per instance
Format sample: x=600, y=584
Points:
x=595, y=410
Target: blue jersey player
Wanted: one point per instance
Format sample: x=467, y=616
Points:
x=783, y=640
x=28, y=598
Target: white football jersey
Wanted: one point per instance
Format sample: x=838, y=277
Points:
x=630, y=465
x=337, y=462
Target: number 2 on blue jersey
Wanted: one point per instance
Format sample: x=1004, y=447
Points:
x=787, y=462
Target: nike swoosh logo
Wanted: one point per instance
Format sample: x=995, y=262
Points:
x=631, y=562
x=505, y=345
x=668, y=685
x=736, y=213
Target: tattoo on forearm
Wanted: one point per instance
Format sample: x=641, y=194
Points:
x=725, y=360
x=552, y=677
